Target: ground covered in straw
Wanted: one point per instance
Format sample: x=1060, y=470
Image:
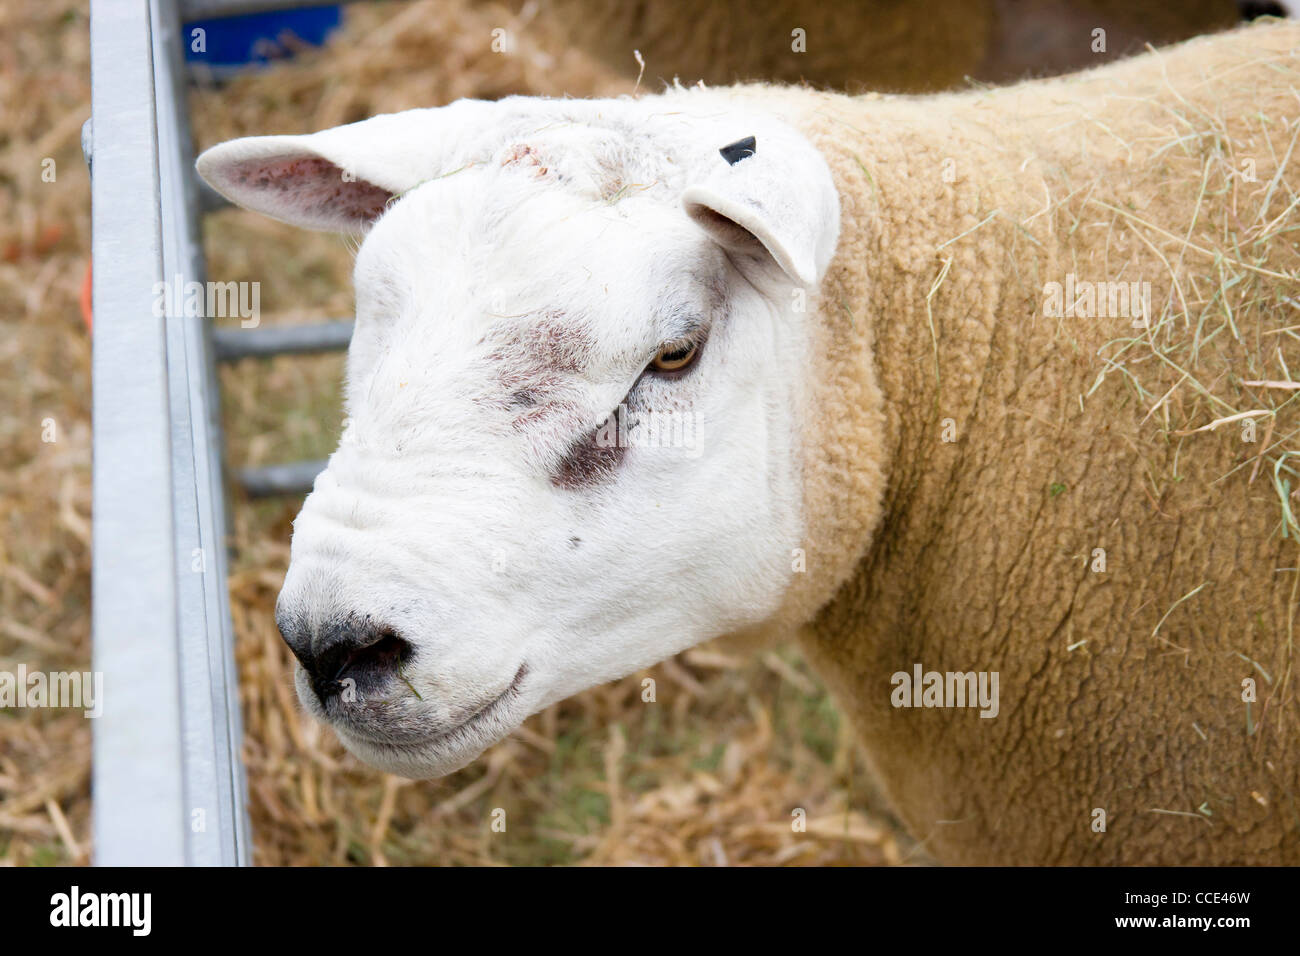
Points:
x=712, y=772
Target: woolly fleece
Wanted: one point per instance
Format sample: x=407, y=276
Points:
x=1121, y=690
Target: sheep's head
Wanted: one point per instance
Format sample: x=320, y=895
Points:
x=573, y=393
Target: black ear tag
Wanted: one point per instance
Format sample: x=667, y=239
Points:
x=740, y=149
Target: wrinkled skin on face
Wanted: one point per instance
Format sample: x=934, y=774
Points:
x=528, y=497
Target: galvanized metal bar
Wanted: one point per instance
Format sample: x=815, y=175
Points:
x=294, y=478
x=214, y=778
x=209, y=199
x=139, y=800
x=168, y=786
x=233, y=343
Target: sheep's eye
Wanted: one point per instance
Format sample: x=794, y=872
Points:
x=674, y=358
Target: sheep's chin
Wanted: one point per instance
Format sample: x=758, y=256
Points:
x=437, y=758
x=443, y=752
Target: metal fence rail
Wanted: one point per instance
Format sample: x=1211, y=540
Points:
x=168, y=785
x=237, y=343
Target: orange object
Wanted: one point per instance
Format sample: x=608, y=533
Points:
x=87, y=303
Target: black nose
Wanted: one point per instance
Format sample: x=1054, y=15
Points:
x=349, y=655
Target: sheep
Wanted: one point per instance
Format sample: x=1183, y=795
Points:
x=886, y=45
x=1037, y=536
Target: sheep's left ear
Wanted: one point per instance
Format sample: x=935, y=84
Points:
x=771, y=191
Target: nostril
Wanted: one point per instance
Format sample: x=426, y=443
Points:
x=381, y=658
x=367, y=657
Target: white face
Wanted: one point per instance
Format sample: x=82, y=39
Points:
x=530, y=496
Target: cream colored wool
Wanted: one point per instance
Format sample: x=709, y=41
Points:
x=1121, y=690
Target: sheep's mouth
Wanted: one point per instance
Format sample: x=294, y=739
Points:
x=487, y=711
x=407, y=736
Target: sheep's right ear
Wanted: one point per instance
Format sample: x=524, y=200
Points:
x=339, y=179
x=771, y=191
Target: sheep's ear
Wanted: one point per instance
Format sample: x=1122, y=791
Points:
x=339, y=179
x=291, y=179
x=774, y=191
